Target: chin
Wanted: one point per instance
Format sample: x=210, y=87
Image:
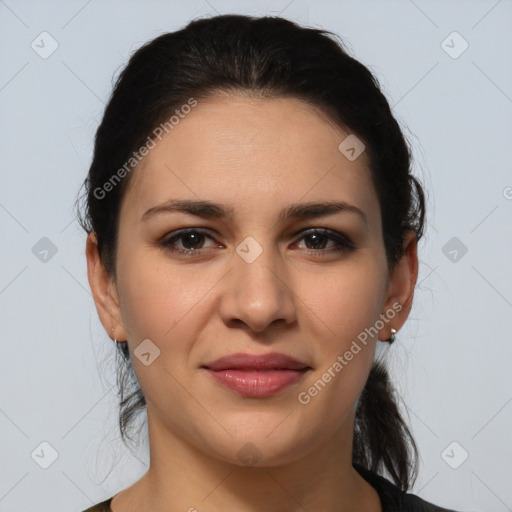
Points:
x=262, y=441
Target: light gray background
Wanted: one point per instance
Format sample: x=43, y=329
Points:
x=451, y=361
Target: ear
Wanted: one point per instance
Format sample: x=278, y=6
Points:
x=401, y=287
x=104, y=291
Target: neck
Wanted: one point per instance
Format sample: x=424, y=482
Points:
x=181, y=477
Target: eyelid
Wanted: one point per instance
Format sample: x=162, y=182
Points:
x=343, y=242
x=331, y=233
x=177, y=234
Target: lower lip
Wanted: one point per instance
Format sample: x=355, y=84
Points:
x=259, y=383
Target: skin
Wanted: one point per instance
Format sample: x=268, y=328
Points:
x=256, y=156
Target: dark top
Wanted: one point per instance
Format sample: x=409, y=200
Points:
x=392, y=498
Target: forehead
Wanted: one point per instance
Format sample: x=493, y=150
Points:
x=252, y=154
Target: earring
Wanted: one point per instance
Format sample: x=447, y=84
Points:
x=392, y=337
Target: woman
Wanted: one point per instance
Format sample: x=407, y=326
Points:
x=252, y=231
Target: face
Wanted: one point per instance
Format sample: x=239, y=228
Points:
x=253, y=277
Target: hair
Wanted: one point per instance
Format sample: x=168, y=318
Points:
x=266, y=57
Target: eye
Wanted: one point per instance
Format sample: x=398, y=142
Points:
x=192, y=240
x=319, y=237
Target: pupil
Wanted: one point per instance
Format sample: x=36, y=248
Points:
x=188, y=236
x=316, y=237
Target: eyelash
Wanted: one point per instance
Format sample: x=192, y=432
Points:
x=344, y=244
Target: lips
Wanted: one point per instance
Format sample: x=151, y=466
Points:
x=256, y=376
x=249, y=362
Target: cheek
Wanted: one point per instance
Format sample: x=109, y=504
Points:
x=163, y=305
x=347, y=300
x=343, y=308
x=155, y=298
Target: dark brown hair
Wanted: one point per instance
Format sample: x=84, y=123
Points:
x=269, y=57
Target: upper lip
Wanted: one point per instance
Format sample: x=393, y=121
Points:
x=270, y=361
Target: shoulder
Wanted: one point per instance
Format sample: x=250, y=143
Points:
x=104, y=506
x=414, y=503
x=393, y=499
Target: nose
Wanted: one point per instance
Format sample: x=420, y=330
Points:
x=258, y=293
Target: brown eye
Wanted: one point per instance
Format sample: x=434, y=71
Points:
x=191, y=241
x=319, y=238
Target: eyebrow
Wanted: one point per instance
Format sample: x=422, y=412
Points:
x=209, y=209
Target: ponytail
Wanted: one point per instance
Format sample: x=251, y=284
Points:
x=382, y=439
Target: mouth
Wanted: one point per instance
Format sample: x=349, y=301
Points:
x=257, y=376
